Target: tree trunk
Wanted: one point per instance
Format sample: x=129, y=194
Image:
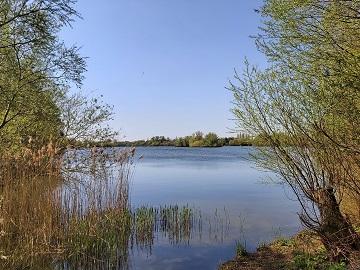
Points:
x=336, y=232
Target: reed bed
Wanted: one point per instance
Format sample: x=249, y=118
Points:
x=71, y=210
x=50, y=212
x=175, y=223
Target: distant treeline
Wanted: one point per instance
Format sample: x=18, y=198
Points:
x=197, y=139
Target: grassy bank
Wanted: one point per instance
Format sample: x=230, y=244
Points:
x=300, y=252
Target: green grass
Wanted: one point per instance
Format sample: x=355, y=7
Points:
x=319, y=261
x=284, y=242
x=241, y=250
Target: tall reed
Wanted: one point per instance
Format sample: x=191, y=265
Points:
x=50, y=211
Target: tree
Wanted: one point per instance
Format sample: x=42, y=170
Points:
x=35, y=65
x=36, y=73
x=211, y=139
x=182, y=141
x=310, y=95
x=196, y=139
x=84, y=119
x=198, y=135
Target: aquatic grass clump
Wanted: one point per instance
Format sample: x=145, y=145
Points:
x=99, y=238
x=174, y=222
x=144, y=224
x=177, y=223
x=241, y=250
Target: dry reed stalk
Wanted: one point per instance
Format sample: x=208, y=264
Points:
x=40, y=218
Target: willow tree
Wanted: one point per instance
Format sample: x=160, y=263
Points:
x=306, y=106
x=35, y=67
x=36, y=72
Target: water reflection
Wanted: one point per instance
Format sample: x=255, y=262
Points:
x=208, y=179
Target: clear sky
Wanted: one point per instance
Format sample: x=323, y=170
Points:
x=164, y=64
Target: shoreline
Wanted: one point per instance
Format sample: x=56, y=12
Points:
x=304, y=250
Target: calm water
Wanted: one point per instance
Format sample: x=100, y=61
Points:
x=229, y=192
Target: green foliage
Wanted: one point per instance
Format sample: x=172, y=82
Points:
x=84, y=119
x=211, y=140
x=99, y=235
x=196, y=140
x=35, y=66
x=194, y=143
x=323, y=55
x=182, y=141
x=36, y=72
x=242, y=140
x=318, y=261
x=305, y=106
x=159, y=141
x=285, y=242
x=144, y=222
x=241, y=250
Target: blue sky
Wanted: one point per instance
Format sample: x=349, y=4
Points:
x=164, y=64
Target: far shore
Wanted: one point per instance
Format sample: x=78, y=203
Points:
x=196, y=140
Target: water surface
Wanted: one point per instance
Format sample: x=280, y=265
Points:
x=226, y=188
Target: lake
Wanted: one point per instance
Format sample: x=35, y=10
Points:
x=233, y=197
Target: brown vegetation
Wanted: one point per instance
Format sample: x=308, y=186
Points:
x=44, y=217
